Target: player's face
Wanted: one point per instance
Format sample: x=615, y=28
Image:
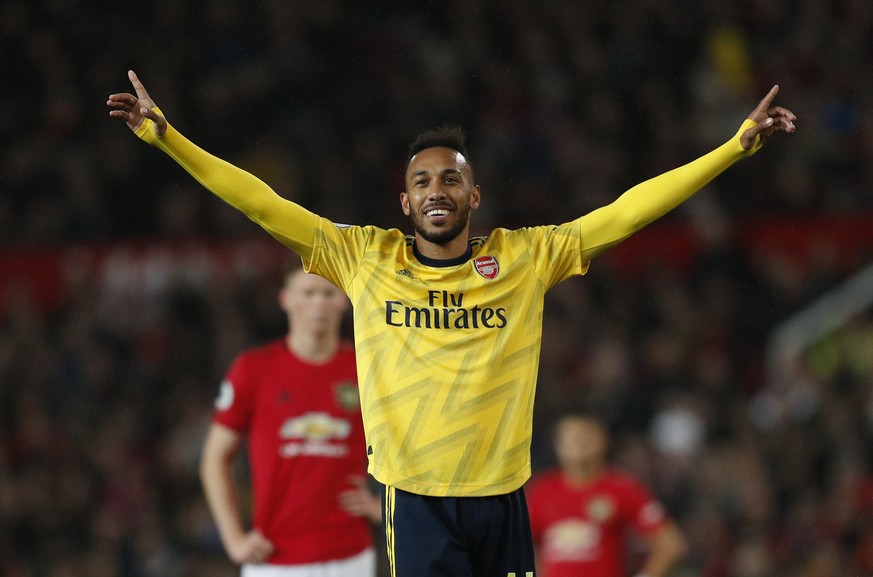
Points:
x=579, y=442
x=312, y=303
x=439, y=194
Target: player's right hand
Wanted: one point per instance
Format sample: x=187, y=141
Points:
x=253, y=547
x=769, y=120
x=135, y=109
x=360, y=502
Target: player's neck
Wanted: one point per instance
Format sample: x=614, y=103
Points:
x=313, y=347
x=454, y=248
x=582, y=474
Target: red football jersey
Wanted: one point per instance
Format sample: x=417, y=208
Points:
x=305, y=438
x=581, y=530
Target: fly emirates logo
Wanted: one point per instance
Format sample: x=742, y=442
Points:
x=443, y=310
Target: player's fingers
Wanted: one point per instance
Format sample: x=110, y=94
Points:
x=152, y=115
x=347, y=496
x=348, y=499
x=786, y=127
x=122, y=99
x=137, y=85
x=160, y=121
x=765, y=103
x=781, y=111
x=259, y=547
x=262, y=540
x=782, y=123
x=265, y=549
x=255, y=555
x=747, y=140
x=118, y=106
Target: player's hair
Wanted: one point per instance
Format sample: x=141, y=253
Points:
x=289, y=267
x=584, y=413
x=447, y=136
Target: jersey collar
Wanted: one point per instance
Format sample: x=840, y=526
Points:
x=442, y=263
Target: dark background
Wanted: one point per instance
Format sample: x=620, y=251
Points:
x=126, y=289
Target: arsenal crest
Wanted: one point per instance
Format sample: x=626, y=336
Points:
x=487, y=266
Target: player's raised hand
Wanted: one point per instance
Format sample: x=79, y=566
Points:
x=771, y=119
x=134, y=109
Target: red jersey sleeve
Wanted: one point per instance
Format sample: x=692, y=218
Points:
x=645, y=513
x=234, y=405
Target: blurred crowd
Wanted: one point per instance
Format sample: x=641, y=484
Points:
x=104, y=398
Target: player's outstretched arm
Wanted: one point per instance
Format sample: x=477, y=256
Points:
x=648, y=201
x=290, y=223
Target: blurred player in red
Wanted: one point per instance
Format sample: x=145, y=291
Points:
x=583, y=513
x=296, y=400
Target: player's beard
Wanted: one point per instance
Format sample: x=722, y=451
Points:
x=441, y=236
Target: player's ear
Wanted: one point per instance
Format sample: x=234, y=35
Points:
x=404, y=203
x=282, y=298
x=475, y=197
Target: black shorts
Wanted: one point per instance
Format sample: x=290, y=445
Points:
x=457, y=536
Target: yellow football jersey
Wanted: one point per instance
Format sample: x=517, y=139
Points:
x=448, y=352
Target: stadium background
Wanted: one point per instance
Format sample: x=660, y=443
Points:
x=125, y=289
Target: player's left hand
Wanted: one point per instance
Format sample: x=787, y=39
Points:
x=771, y=119
x=360, y=502
x=134, y=109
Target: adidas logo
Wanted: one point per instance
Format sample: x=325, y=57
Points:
x=404, y=272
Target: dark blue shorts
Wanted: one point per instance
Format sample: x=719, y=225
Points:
x=457, y=536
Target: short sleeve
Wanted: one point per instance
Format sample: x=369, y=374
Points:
x=235, y=401
x=556, y=252
x=646, y=513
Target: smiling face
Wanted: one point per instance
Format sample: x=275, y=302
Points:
x=439, y=196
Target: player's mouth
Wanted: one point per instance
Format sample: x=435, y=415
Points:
x=438, y=214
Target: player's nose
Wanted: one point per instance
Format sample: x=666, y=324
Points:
x=436, y=190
